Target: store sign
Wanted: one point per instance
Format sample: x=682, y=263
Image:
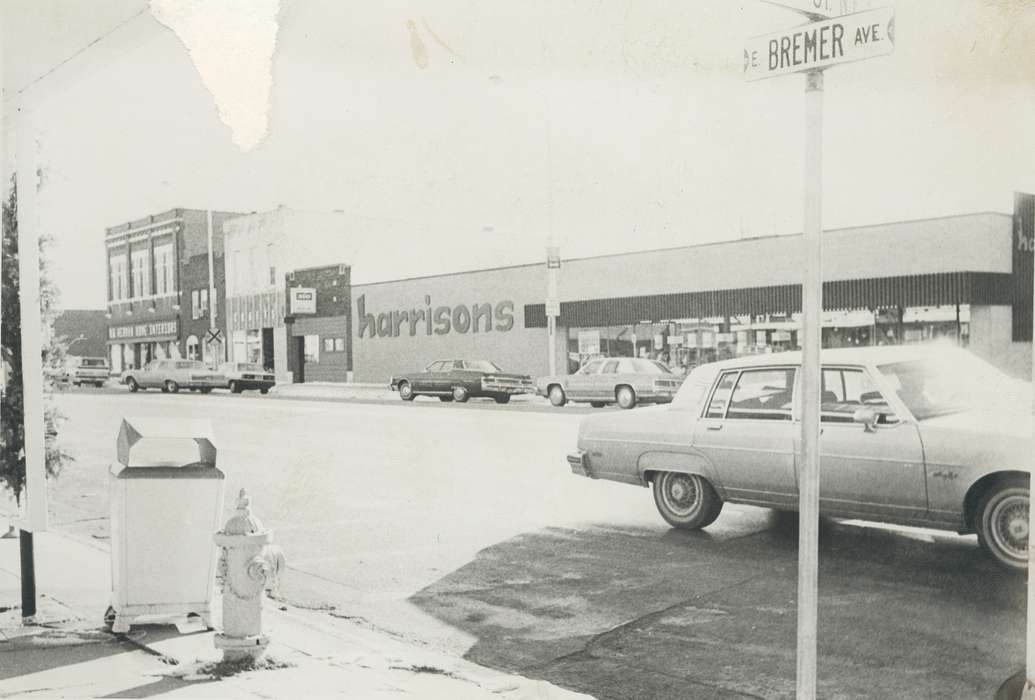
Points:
x=302, y=300
x=707, y=339
x=659, y=341
x=144, y=330
x=691, y=340
x=589, y=342
x=437, y=320
x=675, y=340
x=724, y=337
x=1023, y=258
x=781, y=336
x=553, y=308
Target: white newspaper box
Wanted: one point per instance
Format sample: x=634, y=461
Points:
x=166, y=500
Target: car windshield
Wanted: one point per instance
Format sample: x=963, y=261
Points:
x=93, y=362
x=481, y=366
x=248, y=367
x=951, y=382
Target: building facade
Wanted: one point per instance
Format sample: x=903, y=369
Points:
x=159, y=298
x=261, y=248
x=319, y=324
x=83, y=331
x=952, y=278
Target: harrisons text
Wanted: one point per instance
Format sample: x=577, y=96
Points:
x=440, y=320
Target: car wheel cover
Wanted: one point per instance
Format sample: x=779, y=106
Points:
x=405, y=389
x=556, y=395
x=681, y=494
x=1008, y=527
x=459, y=393
x=626, y=396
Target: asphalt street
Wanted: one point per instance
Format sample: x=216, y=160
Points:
x=462, y=528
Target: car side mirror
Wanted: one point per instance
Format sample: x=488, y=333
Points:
x=868, y=417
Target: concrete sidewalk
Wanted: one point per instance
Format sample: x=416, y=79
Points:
x=66, y=652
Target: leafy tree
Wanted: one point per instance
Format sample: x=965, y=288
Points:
x=12, y=434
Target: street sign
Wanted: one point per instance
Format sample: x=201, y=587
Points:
x=302, y=300
x=823, y=9
x=214, y=336
x=553, y=308
x=553, y=258
x=820, y=44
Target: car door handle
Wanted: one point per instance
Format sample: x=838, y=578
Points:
x=715, y=426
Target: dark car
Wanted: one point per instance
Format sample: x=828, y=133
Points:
x=242, y=376
x=459, y=380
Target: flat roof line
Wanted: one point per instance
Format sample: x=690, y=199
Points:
x=679, y=247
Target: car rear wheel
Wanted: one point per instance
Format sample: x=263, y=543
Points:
x=264, y=390
x=686, y=501
x=406, y=391
x=205, y=390
x=505, y=398
x=625, y=396
x=557, y=397
x=132, y=384
x=460, y=394
x=171, y=386
x=1002, y=523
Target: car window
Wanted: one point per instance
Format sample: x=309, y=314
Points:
x=762, y=394
x=591, y=367
x=93, y=362
x=610, y=367
x=435, y=366
x=846, y=390
x=458, y=364
x=186, y=364
x=482, y=366
x=721, y=395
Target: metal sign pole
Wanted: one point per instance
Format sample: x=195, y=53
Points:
x=1029, y=666
x=35, y=492
x=811, y=305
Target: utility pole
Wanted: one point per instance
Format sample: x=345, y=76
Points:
x=553, y=306
x=217, y=347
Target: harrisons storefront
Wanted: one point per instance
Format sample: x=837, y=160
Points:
x=403, y=325
x=963, y=279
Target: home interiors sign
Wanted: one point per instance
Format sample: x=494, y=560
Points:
x=153, y=329
x=437, y=320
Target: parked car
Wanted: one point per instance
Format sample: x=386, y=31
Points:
x=172, y=375
x=459, y=380
x=626, y=381
x=242, y=376
x=87, y=370
x=913, y=436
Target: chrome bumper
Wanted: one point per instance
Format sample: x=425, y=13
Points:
x=579, y=463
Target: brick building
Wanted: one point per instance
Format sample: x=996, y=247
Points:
x=159, y=303
x=319, y=325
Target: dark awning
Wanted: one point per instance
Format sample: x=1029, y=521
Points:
x=943, y=288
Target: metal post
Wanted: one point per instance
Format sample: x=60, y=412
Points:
x=35, y=493
x=1029, y=683
x=211, y=293
x=553, y=261
x=812, y=305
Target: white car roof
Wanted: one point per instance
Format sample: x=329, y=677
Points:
x=852, y=356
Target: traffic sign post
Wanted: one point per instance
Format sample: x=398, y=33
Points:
x=810, y=49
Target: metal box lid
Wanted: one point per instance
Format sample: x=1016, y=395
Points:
x=169, y=445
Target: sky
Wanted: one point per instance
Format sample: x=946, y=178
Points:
x=462, y=134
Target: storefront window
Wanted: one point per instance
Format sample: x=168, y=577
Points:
x=312, y=348
x=254, y=346
x=192, y=348
x=164, y=269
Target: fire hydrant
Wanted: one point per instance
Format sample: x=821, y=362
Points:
x=248, y=566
